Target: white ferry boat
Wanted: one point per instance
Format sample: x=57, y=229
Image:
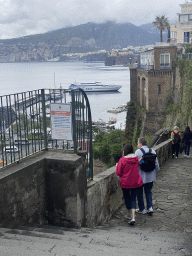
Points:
x=95, y=87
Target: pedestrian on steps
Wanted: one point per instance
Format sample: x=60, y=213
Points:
x=187, y=137
x=176, y=139
x=147, y=177
x=130, y=179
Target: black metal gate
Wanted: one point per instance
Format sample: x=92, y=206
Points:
x=25, y=126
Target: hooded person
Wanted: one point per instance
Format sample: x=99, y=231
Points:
x=176, y=139
x=187, y=138
x=130, y=179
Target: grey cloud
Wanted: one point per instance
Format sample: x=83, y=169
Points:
x=24, y=17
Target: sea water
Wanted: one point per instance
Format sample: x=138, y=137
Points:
x=21, y=77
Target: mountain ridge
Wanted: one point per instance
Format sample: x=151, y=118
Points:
x=105, y=36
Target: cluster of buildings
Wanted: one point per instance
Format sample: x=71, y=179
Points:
x=17, y=52
x=156, y=79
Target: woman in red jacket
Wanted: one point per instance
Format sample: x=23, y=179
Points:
x=130, y=179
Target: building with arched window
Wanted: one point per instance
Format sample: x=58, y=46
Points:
x=152, y=84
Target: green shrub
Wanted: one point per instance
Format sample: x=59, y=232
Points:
x=108, y=146
x=96, y=153
x=105, y=153
x=116, y=152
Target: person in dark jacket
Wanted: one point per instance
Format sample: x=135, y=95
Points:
x=187, y=137
x=175, y=144
x=130, y=179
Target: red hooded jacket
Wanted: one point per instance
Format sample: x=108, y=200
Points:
x=128, y=170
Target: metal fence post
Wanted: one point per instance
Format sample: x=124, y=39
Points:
x=90, y=135
x=74, y=122
x=44, y=118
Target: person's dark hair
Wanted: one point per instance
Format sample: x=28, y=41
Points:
x=187, y=129
x=128, y=149
x=142, y=141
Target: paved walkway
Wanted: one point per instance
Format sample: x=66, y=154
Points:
x=168, y=232
x=172, y=199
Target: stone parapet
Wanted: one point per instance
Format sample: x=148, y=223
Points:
x=51, y=188
x=104, y=197
x=47, y=188
x=163, y=151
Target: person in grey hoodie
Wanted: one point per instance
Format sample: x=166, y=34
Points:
x=148, y=178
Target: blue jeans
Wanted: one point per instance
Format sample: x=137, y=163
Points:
x=187, y=148
x=175, y=149
x=130, y=197
x=148, y=194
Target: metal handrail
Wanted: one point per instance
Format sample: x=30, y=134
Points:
x=25, y=124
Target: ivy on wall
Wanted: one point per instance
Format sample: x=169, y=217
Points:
x=185, y=67
x=134, y=121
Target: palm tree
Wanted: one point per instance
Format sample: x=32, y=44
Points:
x=162, y=23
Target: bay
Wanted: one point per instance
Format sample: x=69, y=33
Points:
x=21, y=77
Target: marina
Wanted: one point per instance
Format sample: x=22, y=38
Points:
x=19, y=77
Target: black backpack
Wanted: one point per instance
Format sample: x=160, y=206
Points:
x=147, y=164
x=176, y=138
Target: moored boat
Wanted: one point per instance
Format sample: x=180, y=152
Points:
x=95, y=87
x=112, y=120
x=114, y=110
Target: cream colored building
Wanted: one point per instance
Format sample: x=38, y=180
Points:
x=182, y=31
x=147, y=57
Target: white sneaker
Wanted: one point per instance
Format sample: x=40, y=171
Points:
x=150, y=211
x=142, y=212
x=185, y=155
x=132, y=222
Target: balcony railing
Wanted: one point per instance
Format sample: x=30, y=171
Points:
x=146, y=67
x=165, y=66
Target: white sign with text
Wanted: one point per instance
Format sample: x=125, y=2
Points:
x=61, y=121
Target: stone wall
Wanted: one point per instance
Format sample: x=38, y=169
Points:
x=163, y=151
x=155, y=89
x=65, y=190
x=51, y=188
x=158, y=50
x=47, y=188
x=152, y=123
x=160, y=84
x=104, y=197
x=133, y=84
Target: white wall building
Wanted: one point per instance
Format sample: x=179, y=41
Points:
x=182, y=31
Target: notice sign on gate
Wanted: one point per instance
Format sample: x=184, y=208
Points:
x=61, y=121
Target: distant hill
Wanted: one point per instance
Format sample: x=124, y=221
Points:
x=150, y=28
x=92, y=36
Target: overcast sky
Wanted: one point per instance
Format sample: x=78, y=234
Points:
x=25, y=17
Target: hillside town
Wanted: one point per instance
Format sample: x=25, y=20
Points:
x=44, y=52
